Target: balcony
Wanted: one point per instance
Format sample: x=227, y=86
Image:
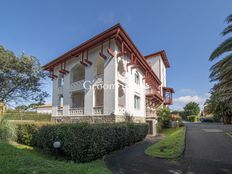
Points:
x=167, y=93
x=60, y=112
x=98, y=110
x=76, y=111
x=154, y=93
x=77, y=85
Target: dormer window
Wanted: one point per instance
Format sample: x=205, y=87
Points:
x=137, y=78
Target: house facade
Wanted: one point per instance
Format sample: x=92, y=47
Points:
x=44, y=109
x=107, y=79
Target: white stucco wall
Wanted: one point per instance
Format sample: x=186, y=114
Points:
x=111, y=77
x=159, y=68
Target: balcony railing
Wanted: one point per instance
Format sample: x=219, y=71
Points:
x=78, y=85
x=121, y=110
x=76, y=111
x=59, y=112
x=98, y=110
x=154, y=92
x=167, y=93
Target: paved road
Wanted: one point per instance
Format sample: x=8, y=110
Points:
x=208, y=151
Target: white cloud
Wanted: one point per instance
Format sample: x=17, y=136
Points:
x=188, y=95
x=187, y=91
x=181, y=101
x=186, y=99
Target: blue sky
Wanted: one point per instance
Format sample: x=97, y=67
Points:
x=187, y=30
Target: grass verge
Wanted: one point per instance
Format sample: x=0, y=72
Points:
x=229, y=134
x=172, y=146
x=20, y=159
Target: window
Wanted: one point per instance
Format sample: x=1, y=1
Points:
x=78, y=73
x=136, y=102
x=121, y=96
x=78, y=99
x=100, y=66
x=137, y=78
x=99, y=96
x=61, y=80
x=61, y=102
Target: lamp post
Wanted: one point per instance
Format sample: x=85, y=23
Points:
x=57, y=145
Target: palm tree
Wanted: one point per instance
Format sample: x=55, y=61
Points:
x=221, y=72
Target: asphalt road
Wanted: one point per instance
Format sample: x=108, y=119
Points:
x=208, y=151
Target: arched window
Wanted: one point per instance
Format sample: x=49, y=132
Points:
x=78, y=73
x=137, y=77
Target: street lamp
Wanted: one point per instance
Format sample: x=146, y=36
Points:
x=57, y=145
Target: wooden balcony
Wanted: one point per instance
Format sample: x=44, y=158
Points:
x=167, y=93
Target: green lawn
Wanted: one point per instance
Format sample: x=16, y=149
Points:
x=171, y=146
x=19, y=159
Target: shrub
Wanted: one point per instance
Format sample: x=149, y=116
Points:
x=26, y=132
x=84, y=142
x=13, y=115
x=164, y=117
x=7, y=130
x=193, y=118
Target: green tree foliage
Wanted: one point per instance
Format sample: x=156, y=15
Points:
x=220, y=101
x=7, y=130
x=219, y=109
x=191, y=108
x=164, y=116
x=20, y=78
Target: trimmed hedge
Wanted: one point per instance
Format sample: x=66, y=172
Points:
x=85, y=142
x=26, y=132
x=27, y=116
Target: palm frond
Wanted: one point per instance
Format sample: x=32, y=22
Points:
x=221, y=68
x=229, y=18
x=222, y=48
x=227, y=30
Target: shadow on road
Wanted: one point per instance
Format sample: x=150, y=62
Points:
x=207, y=152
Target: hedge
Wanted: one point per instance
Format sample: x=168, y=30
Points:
x=84, y=142
x=193, y=118
x=27, y=116
x=26, y=132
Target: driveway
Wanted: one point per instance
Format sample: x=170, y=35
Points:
x=208, y=151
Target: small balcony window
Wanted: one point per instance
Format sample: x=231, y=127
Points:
x=136, y=102
x=61, y=80
x=137, y=78
x=77, y=73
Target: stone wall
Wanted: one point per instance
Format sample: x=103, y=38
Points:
x=98, y=119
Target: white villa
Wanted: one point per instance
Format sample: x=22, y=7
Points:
x=107, y=79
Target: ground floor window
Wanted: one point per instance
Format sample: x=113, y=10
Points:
x=78, y=99
x=136, y=102
x=121, y=96
x=99, y=96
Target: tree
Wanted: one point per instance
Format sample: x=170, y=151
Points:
x=222, y=70
x=164, y=116
x=20, y=78
x=191, y=108
x=218, y=108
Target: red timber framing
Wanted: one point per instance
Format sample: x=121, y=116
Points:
x=127, y=47
x=167, y=93
x=163, y=56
